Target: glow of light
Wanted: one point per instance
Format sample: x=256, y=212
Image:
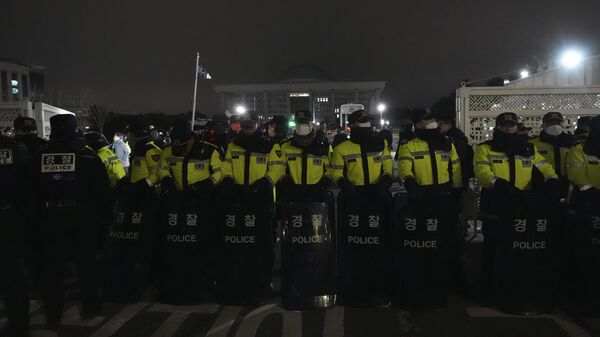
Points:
x=240, y=109
x=524, y=73
x=382, y=122
x=506, y=82
x=381, y=107
x=571, y=58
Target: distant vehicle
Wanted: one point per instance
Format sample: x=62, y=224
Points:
x=346, y=110
x=41, y=112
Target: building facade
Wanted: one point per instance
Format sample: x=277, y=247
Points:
x=20, y=82
x=301, y=87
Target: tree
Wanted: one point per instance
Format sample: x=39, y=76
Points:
x=98, y=116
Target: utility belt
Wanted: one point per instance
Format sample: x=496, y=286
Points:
x=59, y=204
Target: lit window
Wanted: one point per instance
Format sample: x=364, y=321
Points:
x=299, y=94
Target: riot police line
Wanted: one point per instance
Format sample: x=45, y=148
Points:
x=200, y=218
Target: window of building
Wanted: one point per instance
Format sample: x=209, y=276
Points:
x=14, y=84
x=4, y=86
x=322, y=99
x=299, y=94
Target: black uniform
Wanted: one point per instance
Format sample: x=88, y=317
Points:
x=13, y=159
x=71, y=191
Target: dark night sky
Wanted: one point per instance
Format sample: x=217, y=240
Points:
x=140, y=57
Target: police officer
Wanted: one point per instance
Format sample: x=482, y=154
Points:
x=504, y=168
x=252, y=161
x=71, y=191
x=429, y=162
x=189, y=163
x=277, y=129
x=363, y=160
x=447, y=123
x=13, y=286
x=583, y=165
x=26, y=132
x=307, y=162
x=144, y=157
x=583, y=129
x=553, y=144
x=115, y=170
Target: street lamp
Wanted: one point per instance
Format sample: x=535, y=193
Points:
x=381, y=109
x=571, y=58
x=240, y=109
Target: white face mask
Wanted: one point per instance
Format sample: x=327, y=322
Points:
x=554, y=130
x=303, y=129
x=431, y=126
x=364, y=125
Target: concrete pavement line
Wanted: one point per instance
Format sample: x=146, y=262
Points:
x=109, y=328
x=334, y=322
x=179, y=313
x=224, y=321
x=292, y=321
x=569, y=327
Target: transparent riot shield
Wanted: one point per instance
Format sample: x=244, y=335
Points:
x=244, y=250
x=364, y=259
x=308, y=255
x=131, y=238
x=526, y=268
x=421, y=241
x=186, y=254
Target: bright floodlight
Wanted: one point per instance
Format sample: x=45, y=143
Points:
x=382, y=122
x=381, y=107
x=571, y=58
x=524, y=73
x=240, y=109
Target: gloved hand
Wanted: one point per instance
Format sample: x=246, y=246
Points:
x=503, y=187
x=324, y=183
x=285, y=182
x=227, y=187
x=167, y=185
x=414, y=190
x=140, y=187
x=347, y=188
x=203, y=185
x=385, y=182
x=552, y=189
x=262, y=185
x=457, y=196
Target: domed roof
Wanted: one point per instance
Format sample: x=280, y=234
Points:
x=304, y=73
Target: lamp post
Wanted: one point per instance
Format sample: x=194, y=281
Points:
x=381, y=109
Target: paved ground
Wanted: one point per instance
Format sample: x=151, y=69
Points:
x=460, y=318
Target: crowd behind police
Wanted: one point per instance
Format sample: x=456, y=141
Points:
x=57, y=195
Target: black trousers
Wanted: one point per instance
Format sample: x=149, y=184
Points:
x=13, y=284
x=65, y=238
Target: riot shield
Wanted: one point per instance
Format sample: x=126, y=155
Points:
x=525, y=272
x=244, y=249
x=129, y=247
x=185, y=274
x=421, y=235
x=308, y=255
x=585, y=258
x=364, y=259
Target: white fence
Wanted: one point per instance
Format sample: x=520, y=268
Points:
x=477, y=107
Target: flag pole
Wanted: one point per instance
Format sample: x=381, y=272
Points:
x=195, y=89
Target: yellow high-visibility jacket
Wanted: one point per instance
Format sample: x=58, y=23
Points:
x=144, y=162
x=245, y=166
x=548, y=151
x=114, y=167
x=204, y=162
x=583, y=169
x=348, y=158
x=491, y=165
x=305, y=166
x=415, y=161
